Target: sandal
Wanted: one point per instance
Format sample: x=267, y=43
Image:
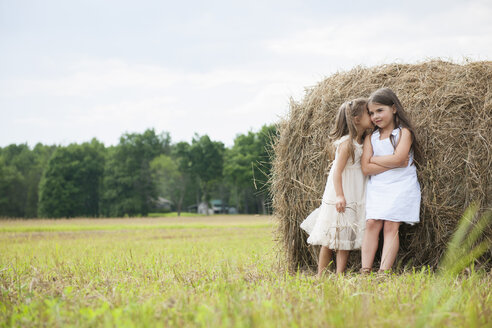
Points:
x=365, y=270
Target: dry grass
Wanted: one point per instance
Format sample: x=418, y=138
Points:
x=451, y=107
x=128, y=223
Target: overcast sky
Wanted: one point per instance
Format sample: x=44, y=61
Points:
x=73, y=70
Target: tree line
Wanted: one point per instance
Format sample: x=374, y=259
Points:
x=129, y=179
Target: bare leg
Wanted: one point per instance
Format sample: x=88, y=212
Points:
x=391, y=244
x=325, y=255
x=370, y=242
x=342, y=257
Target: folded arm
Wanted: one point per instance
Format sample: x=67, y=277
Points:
x=369, y=168
x=400, y=156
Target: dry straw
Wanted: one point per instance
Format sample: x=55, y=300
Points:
x=451, y=108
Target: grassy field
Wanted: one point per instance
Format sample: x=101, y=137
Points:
x=219, y=271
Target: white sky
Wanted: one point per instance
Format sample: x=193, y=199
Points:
x=73, y=70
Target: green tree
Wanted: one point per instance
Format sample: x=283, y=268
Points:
x=238, y=170
x=11, y=190
x=42, y=154
x=247, y=169
x=171, y=182
x=128, y=185
x=263, y=167
x=70, y=184
x=206, y=158
x=20, y=173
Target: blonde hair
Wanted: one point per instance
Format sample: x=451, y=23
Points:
x=344, y=123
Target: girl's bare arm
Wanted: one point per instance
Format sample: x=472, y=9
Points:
x=338, y=167
x=400, y=157
x=369, y=168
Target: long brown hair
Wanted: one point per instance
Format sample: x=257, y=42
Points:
x=386, y=96
x=344, y=123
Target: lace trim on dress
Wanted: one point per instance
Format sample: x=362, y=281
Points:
x=344, y=233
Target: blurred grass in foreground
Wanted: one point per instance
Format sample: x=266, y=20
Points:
x=223, y=273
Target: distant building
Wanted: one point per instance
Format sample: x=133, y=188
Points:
x=163, y=204
x=215, y=207
x=202, y=209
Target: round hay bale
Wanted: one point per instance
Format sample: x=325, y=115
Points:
x=451, y=107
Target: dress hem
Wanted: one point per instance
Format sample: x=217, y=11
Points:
x=395, y=220
x=338, y=247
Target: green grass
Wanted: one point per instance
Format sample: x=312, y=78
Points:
x=67, y=228
x=209, y=272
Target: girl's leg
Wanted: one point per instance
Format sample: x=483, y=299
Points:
x=342, y=257
x=391, y=244
x=370, y=242
x=325, y=255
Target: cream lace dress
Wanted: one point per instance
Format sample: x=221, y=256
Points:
x=340, y=231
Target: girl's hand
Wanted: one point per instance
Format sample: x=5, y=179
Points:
x=405, y=164
x=340, y=204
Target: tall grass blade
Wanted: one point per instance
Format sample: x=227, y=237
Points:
x=461, y=251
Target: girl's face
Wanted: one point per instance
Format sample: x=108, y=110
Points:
x=382, y=115
x=364, y=120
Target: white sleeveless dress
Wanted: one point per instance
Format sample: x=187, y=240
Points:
x=340, y=231
x=393, y=195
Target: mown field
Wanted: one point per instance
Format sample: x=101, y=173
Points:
x=220, y=271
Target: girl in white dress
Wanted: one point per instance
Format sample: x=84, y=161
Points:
x=338, y=224
x=392, y=196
